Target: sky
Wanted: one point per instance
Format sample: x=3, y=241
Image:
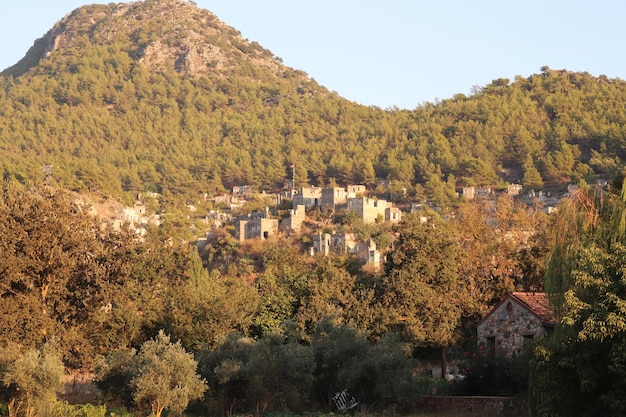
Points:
x=394, y=53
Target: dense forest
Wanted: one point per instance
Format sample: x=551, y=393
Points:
x=160, y=96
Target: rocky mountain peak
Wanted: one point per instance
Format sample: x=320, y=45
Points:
x=161, y=34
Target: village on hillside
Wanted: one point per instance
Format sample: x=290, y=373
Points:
x=274, y=220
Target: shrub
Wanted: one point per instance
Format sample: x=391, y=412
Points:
x=427, y=385
x=63, y=409
x=482, y=375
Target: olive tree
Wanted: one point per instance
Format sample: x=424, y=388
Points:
x=166, y=376
x=269, y=374
x=34, y=379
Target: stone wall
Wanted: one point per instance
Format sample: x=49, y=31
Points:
x=294, y=221
x=504, y=406
x=508, y=329
x=255, y=228
x=332, y=198
x=308, y=197
x=369, y=210
x=80, y=388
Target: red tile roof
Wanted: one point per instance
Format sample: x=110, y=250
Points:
x=537, y=303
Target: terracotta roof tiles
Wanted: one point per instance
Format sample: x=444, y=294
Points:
x=537, y=303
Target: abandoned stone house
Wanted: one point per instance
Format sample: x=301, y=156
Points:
x=308, y=197
x=370, y=210
x=351, y=198
x=256, y=226
x=321, y=244
x=368, y=253
x=468, y=193
x=293, y=222
x=512, y=324
x=136, y=217
x=259, y=225
x=333, y=198
x=354, y=190
x=514, y=189
x=365, y=251
x=242, y=190
x=327, y=243
x=232, y=201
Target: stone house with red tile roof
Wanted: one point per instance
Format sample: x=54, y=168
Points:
x=512, y=324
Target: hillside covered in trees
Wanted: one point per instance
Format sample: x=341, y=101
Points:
x=161, y=96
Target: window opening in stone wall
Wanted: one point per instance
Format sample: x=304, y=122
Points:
x=528, y=341
x=491, y=347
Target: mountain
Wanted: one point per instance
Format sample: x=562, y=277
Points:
x=160, y=34
x=159, y=95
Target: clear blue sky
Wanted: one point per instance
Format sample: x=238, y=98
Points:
x=394, y=52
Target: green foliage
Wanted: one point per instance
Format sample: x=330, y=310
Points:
x=384, y=375
x=426, y=385
x=582, y=365
x=280, y=374
x=119, y=109
x=63, y=409
x=147, y=291
x=481, y=375
x=272, y=373
x=377, y=373
x=532, y=179
x=505, y=246
x=114, y=373
x=324, y=309
x=204, y=307
x=564, y=381
x=162, y=375
x=421, y=282
x=338, y=350
x=166, y=376
x=35, y=379
x=63, y=275
x=50, y=263
x=337, y=292
x=281, y=287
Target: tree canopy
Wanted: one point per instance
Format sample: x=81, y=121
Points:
x=582, y=365
x=422, y=282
